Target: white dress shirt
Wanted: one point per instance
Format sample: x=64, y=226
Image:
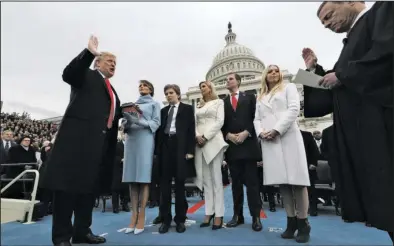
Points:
x=173, y=128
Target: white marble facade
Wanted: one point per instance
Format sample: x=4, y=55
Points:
x=237, y=58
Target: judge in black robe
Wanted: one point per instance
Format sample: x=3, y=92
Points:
x=362, y=107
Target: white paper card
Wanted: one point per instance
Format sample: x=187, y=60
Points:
x=308, y=78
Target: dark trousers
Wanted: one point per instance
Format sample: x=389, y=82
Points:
x=64, y=205
x=170, y=155
x=45, y=196
x=245, y=172
x=123, y=194
x=269, y=190
x=225, y=178
x=312, y=194
x=186, y=208
x=154, y=187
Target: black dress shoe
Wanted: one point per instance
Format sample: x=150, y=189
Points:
x=89, y=239
x=256, y=225
x=313, y=212
x=235, y=221
x=180, y=227
x=115, y=210
x=125, y=207
x=164, y=228
x=63, y=244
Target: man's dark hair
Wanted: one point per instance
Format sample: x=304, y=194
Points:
x=237, y=78
x=335, y=2
x=175, y=88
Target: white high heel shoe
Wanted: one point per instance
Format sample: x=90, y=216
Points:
x=139, y=231
x=129, y=230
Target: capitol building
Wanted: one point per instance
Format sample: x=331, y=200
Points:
x=240, y=59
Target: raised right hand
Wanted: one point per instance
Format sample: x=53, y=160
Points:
x=309, y=57
x=92, y=45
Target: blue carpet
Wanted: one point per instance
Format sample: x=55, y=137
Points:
x=327, y=229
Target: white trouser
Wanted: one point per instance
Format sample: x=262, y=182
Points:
x=213, y=186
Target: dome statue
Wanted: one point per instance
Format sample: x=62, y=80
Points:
x=234, y=57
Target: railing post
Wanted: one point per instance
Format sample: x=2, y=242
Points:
x=33, y=194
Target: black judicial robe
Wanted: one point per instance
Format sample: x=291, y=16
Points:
x=363, y=118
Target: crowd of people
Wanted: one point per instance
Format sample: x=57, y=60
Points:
x=22, y=125
x=241, y=130
x=24, y=145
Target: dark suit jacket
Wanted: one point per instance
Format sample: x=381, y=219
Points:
x=17, y=154
x=77, y=163
x=312, y=152
x=118, y=168
x=4, y=154
x=327, y=142
x=186, y=140
x=237, y=121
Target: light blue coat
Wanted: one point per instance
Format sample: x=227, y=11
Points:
x=140, y=141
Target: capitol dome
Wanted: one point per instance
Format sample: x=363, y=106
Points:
x=234, y=57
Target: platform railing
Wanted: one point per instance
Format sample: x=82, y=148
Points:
x=19, y=177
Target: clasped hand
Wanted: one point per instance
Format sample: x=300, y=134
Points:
x=269, y=135
x=238, y=138
x=200, y=141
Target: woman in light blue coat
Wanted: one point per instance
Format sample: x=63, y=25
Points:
x=140, y=127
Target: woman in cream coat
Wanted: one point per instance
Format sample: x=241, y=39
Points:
x=209, y=154
x=283, y=151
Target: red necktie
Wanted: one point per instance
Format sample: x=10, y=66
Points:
x=234, y=101
x=111, y=111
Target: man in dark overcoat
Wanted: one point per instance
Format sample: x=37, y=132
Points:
x=84, y=150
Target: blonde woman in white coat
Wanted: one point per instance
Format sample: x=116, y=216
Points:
x=209, y=154
x=283, y=151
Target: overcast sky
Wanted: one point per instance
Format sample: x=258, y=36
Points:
x=161, y=42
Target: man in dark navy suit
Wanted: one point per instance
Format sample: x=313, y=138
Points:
x=243, y=152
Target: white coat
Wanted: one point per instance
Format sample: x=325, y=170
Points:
x=284, y=159
x=209, y=121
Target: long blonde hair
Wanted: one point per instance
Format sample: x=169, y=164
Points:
x=211, y=96
x=264, y=86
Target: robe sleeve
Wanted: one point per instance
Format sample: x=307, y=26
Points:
x=371, y=75
x=317, y=102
